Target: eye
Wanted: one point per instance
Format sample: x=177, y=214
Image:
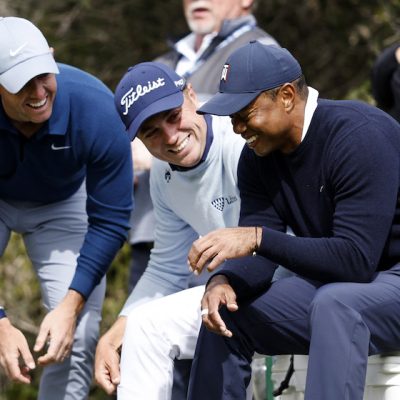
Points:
x=175, y=115
x=149, y=134
x=43, y=76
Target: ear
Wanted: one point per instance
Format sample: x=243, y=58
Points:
x=288, y=95
x=191, y=93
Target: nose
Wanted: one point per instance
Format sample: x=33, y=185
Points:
x=36, y=87
x=239, y=126
x=169, y=133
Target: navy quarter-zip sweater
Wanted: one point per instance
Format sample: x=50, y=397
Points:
x=338, y=191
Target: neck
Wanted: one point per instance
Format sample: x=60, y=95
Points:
x=197, y=42
x=27, y=129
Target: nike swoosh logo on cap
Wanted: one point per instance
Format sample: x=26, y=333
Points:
x=54, y=147
x=13, y=53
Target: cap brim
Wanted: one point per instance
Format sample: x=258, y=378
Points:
x=227, y=103
x=18, y=76
x=164, y=104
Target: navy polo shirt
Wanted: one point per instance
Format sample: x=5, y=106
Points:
x=83, y=139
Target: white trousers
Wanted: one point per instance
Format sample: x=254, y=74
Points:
x=156, y=333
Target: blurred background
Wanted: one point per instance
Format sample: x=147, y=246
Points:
x=336, y=42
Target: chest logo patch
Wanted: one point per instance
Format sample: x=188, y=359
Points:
x=220, y=202
x=167, y=176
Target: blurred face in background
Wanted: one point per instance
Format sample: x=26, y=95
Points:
x=206, y=16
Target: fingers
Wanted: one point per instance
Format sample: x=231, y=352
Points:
x=17, y=373
x=215, y=323
x=27, y=357
x=41, y=340
x=107, y=373
x=205, y=252
x=217, y=295
x=15, y=356
x=199, y=254
x=106, y=380
x=57, y=351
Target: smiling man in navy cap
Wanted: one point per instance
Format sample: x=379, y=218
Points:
x=194, y=190
x=331, y=171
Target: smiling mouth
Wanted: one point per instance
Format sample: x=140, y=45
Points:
x=38, y=104
x=181, y=146
x=251, y=139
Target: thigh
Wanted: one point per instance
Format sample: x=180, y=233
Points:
x=377, y=302
x=277, y=322
x=173, y=319
x=53, y=237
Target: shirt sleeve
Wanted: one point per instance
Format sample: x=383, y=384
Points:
x=363, y=177
x=167, y=271
x=109, y=185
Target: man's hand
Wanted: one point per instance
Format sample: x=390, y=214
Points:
x=15, y=356
x=218, y=293
x=106, y=365
x=58, y=328
x=221, y=244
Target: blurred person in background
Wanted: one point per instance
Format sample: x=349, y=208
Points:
x=386, y=81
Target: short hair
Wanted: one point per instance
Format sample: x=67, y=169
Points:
x=300, y=85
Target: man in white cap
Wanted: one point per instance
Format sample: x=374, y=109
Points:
x=65, y=186
x=331, y=170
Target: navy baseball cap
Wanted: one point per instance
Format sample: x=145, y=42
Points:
x=248, y=71
x=145, y=90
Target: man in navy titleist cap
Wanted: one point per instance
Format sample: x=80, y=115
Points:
x=331, y=171
x=193, y=185
x=66, y=187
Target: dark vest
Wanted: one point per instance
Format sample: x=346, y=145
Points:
x=205, y=79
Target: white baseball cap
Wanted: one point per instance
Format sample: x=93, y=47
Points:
x=24, y=53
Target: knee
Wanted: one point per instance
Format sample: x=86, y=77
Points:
x=331, y=303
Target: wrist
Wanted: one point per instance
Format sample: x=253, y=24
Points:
x=115, y=334
x=73, y=301
x=217, y=280
x=257, y=239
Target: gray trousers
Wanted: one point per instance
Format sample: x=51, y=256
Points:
x=53, y=235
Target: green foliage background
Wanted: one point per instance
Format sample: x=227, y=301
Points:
x=336, y=42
